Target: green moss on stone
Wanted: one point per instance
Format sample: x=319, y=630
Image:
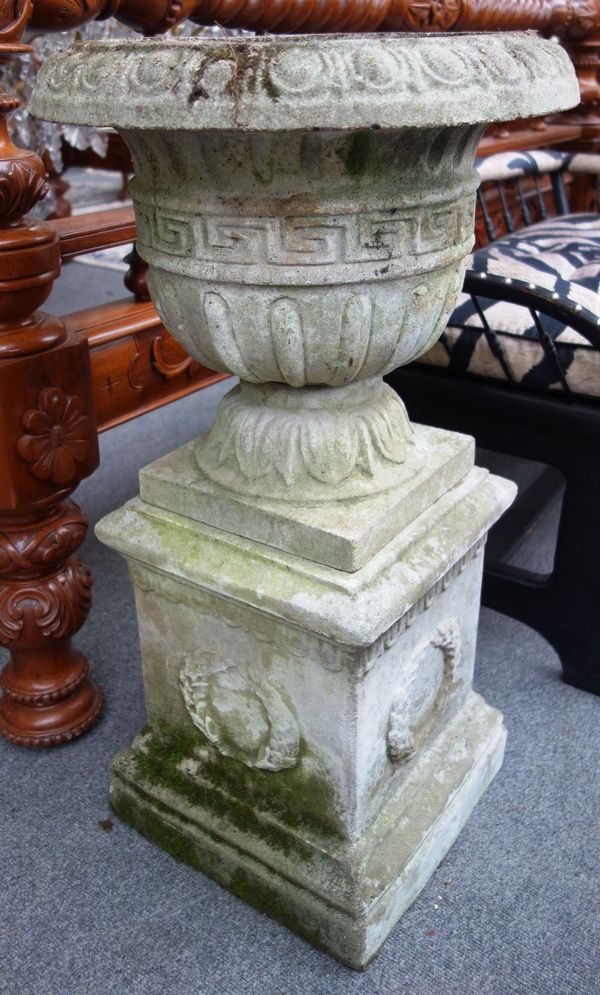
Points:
x=229, y=790
x=149, y=821
x=266, y=900
x=150, y=824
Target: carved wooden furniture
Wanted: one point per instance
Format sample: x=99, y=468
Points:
x=48, y=444
x=570, y=19
x=61, y=382
x=53, y=403
x=533, y=393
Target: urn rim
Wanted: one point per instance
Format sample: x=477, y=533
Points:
x=306, y=82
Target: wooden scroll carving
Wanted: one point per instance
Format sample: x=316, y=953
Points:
x=48, y=443
x=568, y=19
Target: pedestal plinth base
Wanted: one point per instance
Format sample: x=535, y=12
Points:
x=342, y=534
x=343, y=896
x=313, y=740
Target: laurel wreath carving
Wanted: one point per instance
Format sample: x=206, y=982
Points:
x=244, y=720
x=407, y=727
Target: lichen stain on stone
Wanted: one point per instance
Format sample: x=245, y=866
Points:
x=269, y=86
x=245, y=68
x=359, y=153
x=198, y=90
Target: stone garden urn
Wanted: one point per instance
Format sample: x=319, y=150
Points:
x=307, y=575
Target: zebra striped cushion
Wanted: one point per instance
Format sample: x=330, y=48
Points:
x=560, y=254
x=536, y=162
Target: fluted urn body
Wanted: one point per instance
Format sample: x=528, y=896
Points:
x=306, y=206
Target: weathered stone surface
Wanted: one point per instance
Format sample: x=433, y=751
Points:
x=343, y=896
x=351, y=608
x=248, y=652
x=305, y=206
x=281, y=83
x=341, y=534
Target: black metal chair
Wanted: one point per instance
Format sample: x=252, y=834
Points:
x=545, y=408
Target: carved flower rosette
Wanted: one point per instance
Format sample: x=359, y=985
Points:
x=57, y=436
x=305, y=206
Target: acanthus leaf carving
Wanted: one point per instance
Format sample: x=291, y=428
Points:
x=303, y=451
x=42, y=547
x=54, y=606
x=21, y=186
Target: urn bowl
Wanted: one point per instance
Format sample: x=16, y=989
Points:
x=305, y=204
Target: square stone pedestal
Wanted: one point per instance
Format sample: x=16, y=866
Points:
x=313, y=740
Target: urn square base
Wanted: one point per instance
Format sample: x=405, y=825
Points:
x=341, y=534
x=313, y=740
x=344, y=896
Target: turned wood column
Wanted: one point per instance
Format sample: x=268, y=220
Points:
x=48, y=443
x=135, y=278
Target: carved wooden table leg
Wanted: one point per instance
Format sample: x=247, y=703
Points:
x=45, y=596
x=48, y=443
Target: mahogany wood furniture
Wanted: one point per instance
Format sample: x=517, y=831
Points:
x=54, y=400
x=570, y=19
x=62, y=381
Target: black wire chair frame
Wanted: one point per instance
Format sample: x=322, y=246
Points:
x=559, y=428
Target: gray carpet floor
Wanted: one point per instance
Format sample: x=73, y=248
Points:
x=514, y=909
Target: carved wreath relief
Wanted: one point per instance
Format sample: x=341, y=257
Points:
x=245, y=721
x=417, y=704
